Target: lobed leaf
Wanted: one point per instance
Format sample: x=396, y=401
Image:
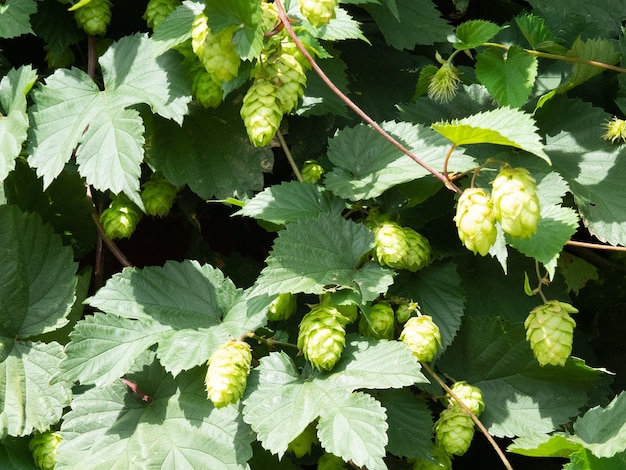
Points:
x=473, y=33
x=602, y=430
x=247, y=16
x=538, y=34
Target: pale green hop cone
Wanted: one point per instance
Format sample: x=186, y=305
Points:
x=318, y=12
x=470, y=395
x=158, y=196
x=515, y=202
x=454, y=431
x=311, y=171
x=94, y=17
x=219, y=56
x=475, y=221
x=422, y=336
x=282, y=307
x=44, y=449
x=227, y=373
x=322, y=337
x=261, y=112
x=550, y=332
x=349, y=311
x=418, y=254
x=287, y=73
x=391, y=247
x=380, y=323
x=120, y=219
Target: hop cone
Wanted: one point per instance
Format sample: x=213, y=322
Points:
x=475, y=221
x=471, y=396
x=404, y=311
x=157, y=10
x=218, y=55
x=330, y=461
x=311, y=171
x=422, y=336
x=206, y=91
x=550, y=331
x=288, y=74
x=391, y=244
x=418, y=254
x=304, y=442
x=158, y=195
x=120, y=219
x=44, y=449
x=227, y=373
x=94, y=17
x=318, y=12
x=199, y=31
x=454, y=431
x=380, y=323
x=515, y=202
x=261, y=112
x=348, y=311
x=282, y=307
x=442, y=461
x=322, y=337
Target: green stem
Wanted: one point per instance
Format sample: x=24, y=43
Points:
x=289, y=156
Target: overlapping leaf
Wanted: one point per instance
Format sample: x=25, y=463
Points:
x=537, y=33
x=246, y=15
x=473, y=33
x=14, y=17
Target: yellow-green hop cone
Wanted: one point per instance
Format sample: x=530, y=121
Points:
x=330, y=461
x=120, y=219
x=218, y=54
x=282, y=307
x=380, y=323
x=206, y=91
x=261, y=112
x=158, y=196
x=227, y=374
x=404, y=311
x=44, y=449
x=287, y=73
x=391, y=247
x=550, y=332
x=322, y=337
x=94, y=17
x=318, y=12
x=311, y=171
x=422, y=336
x=515, y=202
x=199, y=31
x=442, y=461
x=475, y=221
x=454, y=431
x=157, y=11
x=304, y=442
x=418, y=253
x=444, y=83
x=470, y=395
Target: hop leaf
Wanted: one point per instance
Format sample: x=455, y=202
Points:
x=471, y=396
x=120, y=219
x=157, y=10
x=442, y=461
x=282, y=307
x=475, y=221
x=515, y=202
x=318, y=12
x=261, y=112
x=304, y=442
x=444, y=83
x=422, y=336
x=330, y=461
x=380, y=323
x=454, y=431
x=44, y=449
x=94, y=17
x=227, y=374
x=311, y=171
x=550, y=331
x=322, y=337
x=158, y=195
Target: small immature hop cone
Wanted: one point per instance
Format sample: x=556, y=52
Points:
x=94, y=17
x=444, y=83
x=318, y=12
x=470, y=395
x=515, y=202
x=454, y=431
x=227, y=373
x=282, y=307
x=422, y=336
x=261, y=112
x=404, y=311
x=44, y=449
x=158, y=195
x=322, y=337
x=311, y=171
x=380, y=323
x=550, y=332
x=120, y=219
x=475, y=221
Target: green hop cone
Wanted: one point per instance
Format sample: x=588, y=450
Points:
x=418, y=254
x=329, y=461
x=44, y=449
x=471, y=396
x=227, y=374
x=318, y=12
x=404, y=311
x=550, y=331
x=391, y=247
x=441, y=461
x=261, y=112
x=322, y=337
x=288, y=74
x=120, y=219
x=94, y=17
x=199, y=31
x=282, y=307
x=218, y=54
x=348, y=310
x=454, y=431
x=515, y=202
x=422, y=336
x=158, y=196
x=380, y=323
x=311, y=171
x=157, y=11
x=475, y=221
x=304, y=442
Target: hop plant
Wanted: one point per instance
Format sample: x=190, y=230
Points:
x=444, y=83
x=120, y=219
x=157, y=11
x=261, y=112
x=282, y=307
x=475, y=221
x=217, y=53
x=400, y=247
x=441, y=461
x=422, y=336
x=454, y=431
x=322, y=337
x=93, y=17
x=227, y=374
x=550, y=332
x=348, y=311
x=515, y=202
x=330, y=461
x=311, y=171
x=304, y=442
x=318, y=12
x=380, y=323
x=470, y=395
x=158, y=195
x=206, y=91
x=44, y=449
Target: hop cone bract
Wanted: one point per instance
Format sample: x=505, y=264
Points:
x=380, y=323
x=157, y=10
x=318, y=12
x=44, y=449
x=322, y=337
x=515, y=202
x=261, y=112
x=454, y=431
x=158, y=195
x=227, y=373
x=422, y=336
x=120, y=219
x=94, y=17
x=550, y=331
x=470, y=395
x=475, y=221
x=282, y=307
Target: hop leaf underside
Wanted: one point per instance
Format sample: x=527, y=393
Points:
x=550, y=332
x=227, y=373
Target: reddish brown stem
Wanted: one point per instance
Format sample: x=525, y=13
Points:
x=133, y=386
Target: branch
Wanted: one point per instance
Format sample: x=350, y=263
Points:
x=289, y=156
x=596, y=246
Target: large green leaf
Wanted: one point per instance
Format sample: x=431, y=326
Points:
x=537, y=33
x=14, y=452
x=474, y=33
x=14, y=17
x=603, y=429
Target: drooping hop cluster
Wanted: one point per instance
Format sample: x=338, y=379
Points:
x=261, y=112
x=380, y=323
x=422, y=336
x=157, y=11
x=93, y=17
x=322, y=337
x=515, y=202
x=475, y=221
x=158, y=195
x=318, y=12
x=206, y=92
x=311, y=171
x=454, y=431
x=43, y=446
x=442, y=461
x=550, y=332
x=304, y=442
x=330, y=461
x=216, y=51
x=282, y=307
x=401, y=247
x=444, y=83
x=227, y=374
x=470, y=395
x=120, y=219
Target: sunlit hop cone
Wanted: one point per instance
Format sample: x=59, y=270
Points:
x=311, y=171
x=288, y=74
x=475, y=221
x=422, y=336
x=470, y=395
x=380, y=323
x=158, y=195
x=550, y=332
x=454, y=431
x=444, y=83
x=418, y=255
x=318, y=12
x=615, y=130
x=261, y=112
x=282, y=307
x=322, y=337
x=330, y=461
x=219, y=56
x=199, y=31
x=93, y=17
x=391, y=244
x=157, y=11
x=443, y=461
x=120, y=219
x=304, y=442
x=515, y=202
x=227, y=374
x=44, y=449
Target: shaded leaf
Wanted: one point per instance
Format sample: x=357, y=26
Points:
x=538, y=34
x=246, y=15
x=14, y=17
x=576, y=271
x=473, y=33
x=602, y=430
